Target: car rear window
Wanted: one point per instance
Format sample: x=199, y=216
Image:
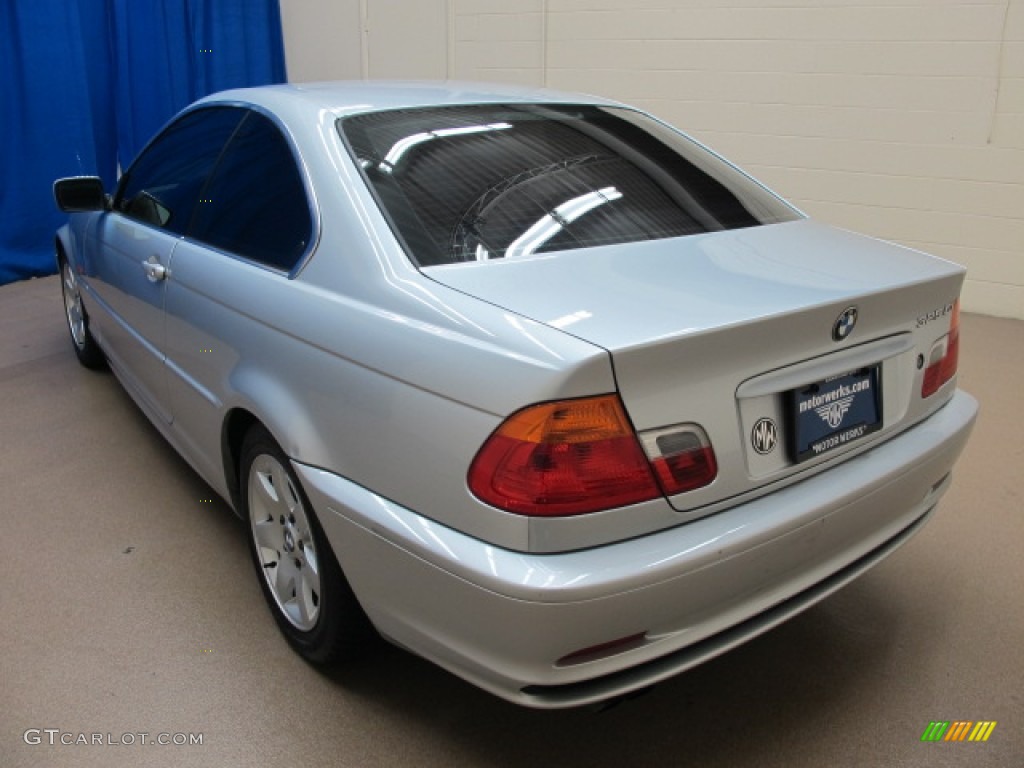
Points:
x=480, y=182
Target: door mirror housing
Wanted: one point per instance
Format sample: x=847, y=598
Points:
x=80, y=193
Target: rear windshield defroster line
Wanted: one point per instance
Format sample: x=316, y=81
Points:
x=482, y=182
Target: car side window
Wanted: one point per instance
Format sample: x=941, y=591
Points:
x=161, y=187
x=255, y=204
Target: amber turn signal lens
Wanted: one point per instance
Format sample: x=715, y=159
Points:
x=568, y=457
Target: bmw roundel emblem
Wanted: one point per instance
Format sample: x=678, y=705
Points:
x=764, y=436
x=844, y=324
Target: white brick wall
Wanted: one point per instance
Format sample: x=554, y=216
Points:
x=498, y=41
x=322, y=39
x=903, y=119
x=351, y=39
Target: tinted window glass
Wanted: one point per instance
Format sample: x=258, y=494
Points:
x=501, y=181
x=161, y=187
x=255, y=204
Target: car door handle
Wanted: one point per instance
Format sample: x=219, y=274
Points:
x=155, y=271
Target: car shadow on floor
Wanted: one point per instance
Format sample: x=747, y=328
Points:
x=724, y=712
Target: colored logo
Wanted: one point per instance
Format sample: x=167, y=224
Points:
x=843, y=326
x=764, y=436
x=958, y=730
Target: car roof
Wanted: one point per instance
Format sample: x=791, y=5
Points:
x=357, y=96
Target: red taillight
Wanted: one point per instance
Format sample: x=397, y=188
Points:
x=683, y=459
x=944, y=357
x=564, y=458
x=603, y=650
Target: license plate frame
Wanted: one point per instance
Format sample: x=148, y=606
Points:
x=831, y=413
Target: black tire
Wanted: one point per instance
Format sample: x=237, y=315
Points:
x=86, y=349
x=307, y=593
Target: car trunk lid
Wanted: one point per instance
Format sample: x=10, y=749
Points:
x=721, y=329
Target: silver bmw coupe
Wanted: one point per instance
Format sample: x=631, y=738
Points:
x=529, y=383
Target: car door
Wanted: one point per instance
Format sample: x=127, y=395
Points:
x=253, y=228
x=153, y=206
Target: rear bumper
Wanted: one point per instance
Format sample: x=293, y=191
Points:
x=503, y=619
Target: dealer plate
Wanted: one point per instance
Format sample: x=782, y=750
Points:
x=835, y=412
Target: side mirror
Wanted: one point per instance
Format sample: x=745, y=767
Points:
x=80, y=193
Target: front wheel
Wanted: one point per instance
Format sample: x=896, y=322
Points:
x=86, y=349
x=311, y=601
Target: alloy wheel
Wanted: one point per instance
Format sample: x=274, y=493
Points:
x=73, y=306
x=284, y=542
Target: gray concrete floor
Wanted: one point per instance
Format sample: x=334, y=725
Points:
x=128, y=605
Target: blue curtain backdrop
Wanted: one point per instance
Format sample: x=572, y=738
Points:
x=172, y=52
x=85, y=83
